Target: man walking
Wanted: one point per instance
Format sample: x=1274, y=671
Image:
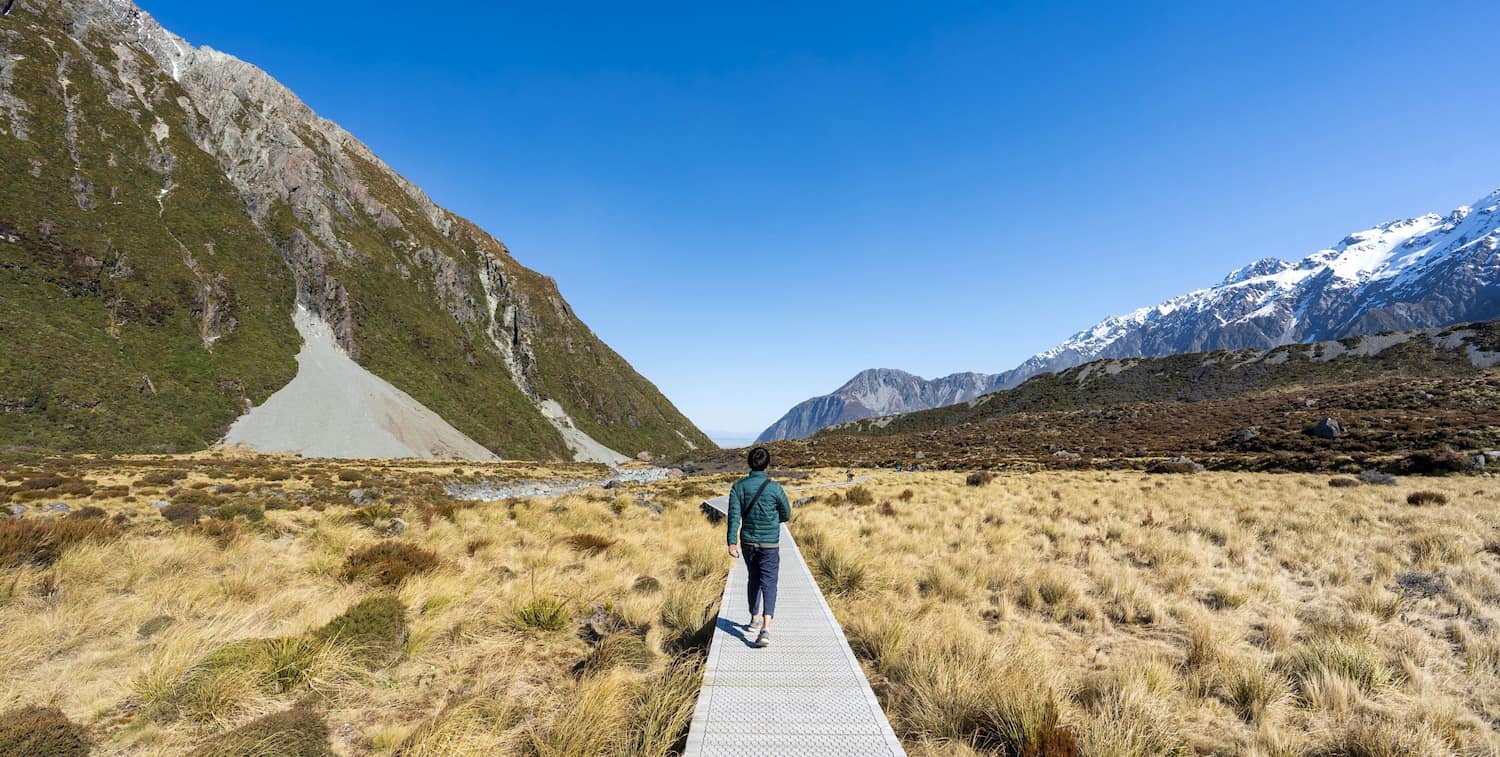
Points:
x=757, y=508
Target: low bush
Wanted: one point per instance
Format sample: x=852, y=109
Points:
x=1424, y=498
x=1436, y=462
x=277, y=474
x=906, y=495
x=591, y=544
x=375, y=629
x=195, y=497
x=646, y=585
x=246, y=510
x=89, y=512
x=388, y=563
x=979, y=478
x=887, y=509
x=544, y=614
x=1344, y=483
x=181, y=514
x=351, y=475
x=36, y=731
x=41, y=542
x=859, y=496
x=298, y=732
x=162, y=478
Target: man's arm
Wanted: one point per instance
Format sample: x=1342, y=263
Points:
x=734, y=517
x=783, y=507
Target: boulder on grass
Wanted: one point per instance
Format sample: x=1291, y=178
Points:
x=1328, y=428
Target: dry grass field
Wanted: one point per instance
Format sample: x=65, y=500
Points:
x=1126, y=614
x=274, y=614
x=284, y=607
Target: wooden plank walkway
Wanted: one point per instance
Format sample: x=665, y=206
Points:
x=803, y=695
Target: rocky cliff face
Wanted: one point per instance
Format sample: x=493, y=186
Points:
x=173, y=204
x=877, y=392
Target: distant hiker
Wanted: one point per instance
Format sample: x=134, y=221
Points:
x=850, y=473
x=757, y=508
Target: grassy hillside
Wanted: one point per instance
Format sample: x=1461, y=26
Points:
x=109, y=300
x=146, y=298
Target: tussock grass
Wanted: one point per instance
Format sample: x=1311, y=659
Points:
x=167, y=642
x=1226, y=613
x=544, y=614
x=42, y=542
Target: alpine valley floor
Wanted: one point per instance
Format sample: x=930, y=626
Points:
x=222, y=603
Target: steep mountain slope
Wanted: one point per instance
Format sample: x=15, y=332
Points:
x=166, y=206
x=879, y=391
x=1423, y=272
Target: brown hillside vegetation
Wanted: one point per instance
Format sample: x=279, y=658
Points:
x=1386, y=421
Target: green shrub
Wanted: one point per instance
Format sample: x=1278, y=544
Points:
x=351, y=475
x=298, y=732
x=36, y=731
x=544, y=614
x=195, y=497
x=277, y=474
x=41, y=542
x=246, y=510
x=375, y=628
x=181, y=513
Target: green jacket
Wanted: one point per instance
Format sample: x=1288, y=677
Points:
x=762, y=525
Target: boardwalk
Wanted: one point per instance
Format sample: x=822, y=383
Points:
x=805, y=694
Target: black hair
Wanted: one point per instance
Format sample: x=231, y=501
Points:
x=759, y=458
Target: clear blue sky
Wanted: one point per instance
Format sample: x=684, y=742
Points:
x=934, y=187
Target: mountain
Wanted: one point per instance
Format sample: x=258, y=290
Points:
x=879, y=391
x=165, y=211
x=1403, y=401
x=1424, y=272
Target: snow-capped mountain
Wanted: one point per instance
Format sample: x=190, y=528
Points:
x=1423, y=272
x=878, y=391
